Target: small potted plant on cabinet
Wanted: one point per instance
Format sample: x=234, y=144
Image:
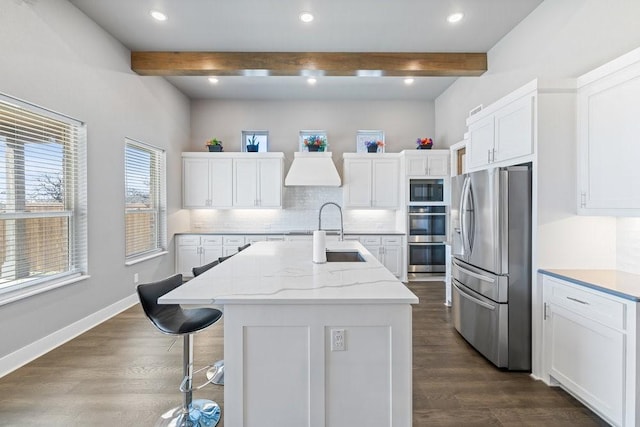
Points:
x=252, y=144
x=372, y=146
x=214, y=144
x=315, y=143
x=424, y=143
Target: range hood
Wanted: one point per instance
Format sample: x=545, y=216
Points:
x=312, y=169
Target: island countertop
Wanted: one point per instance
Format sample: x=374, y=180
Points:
x=284, y=273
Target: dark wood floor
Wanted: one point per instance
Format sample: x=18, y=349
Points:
x=121, y=373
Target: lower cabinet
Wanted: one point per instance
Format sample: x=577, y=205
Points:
x=590, y=348
x=388, y=250
x=195, y=250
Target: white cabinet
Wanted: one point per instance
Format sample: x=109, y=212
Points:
x=257, y=183
x=206, y=183
x=608, y=130
x=231, y=243
x=388, y=250
x=590, y=348
x=232, y=180
x=371, y=182
x=503, y=133
x=426, y=162
x=195, y=250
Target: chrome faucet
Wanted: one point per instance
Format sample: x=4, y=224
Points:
x=341, y=220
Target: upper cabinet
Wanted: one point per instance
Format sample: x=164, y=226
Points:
x=426, y=162
x=608, y=129
x=206, y=182
x=371, y=181
x=232, y=180
x=502, y=133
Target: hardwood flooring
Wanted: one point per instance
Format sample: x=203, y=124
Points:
x=126, y=373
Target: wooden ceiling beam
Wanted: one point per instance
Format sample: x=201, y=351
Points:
x=418, y=64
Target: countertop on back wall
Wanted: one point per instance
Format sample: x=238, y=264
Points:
x=292, y=232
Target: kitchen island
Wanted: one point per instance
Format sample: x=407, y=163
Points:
x=283, y=318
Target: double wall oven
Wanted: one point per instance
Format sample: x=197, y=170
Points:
x=427, y=227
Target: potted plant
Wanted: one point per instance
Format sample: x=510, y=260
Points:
x=252, y=144
x=424, y=143
x=372, y=146
x=315, y=143
x=214, y=144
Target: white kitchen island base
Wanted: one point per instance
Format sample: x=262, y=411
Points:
x=280, y=313
x=288, y=375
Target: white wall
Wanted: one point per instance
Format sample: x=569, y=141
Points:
x=54, y=56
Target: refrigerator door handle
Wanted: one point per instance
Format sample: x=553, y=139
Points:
x=465, y=212
x=474, y=274
x=474, y=299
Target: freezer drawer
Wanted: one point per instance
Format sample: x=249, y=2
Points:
x=492, y=286
x=482, y=322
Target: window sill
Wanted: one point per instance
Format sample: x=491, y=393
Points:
x=145, y=258
x=17, y=295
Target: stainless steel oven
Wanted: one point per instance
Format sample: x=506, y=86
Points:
x=427, y=224
x=427, y=227
x=426, y=190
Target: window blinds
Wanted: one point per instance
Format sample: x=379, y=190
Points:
x=42, y=195
x=145, y=205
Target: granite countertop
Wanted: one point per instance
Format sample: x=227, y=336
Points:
x=614, y=282
x=284, y=273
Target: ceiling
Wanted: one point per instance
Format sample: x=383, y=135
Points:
x=339, y=26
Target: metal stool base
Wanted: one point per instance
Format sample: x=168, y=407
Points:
x=215, y=374
x=202, y=413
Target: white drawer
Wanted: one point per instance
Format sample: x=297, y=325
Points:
x=589, y=303
x=370, y=240
x=253, y=239
x=275, y=238
x=392, y=240
x=211, y=240
x=188, y=240
x=233, y=240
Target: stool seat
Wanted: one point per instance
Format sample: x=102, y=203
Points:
x=199, y=270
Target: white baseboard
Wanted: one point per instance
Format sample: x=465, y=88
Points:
x=26, y=354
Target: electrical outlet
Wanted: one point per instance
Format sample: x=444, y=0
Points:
x=136, y=278
x=338, y=340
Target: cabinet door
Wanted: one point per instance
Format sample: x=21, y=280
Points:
x=270, y=183
x=195, y=183
x=587, y=358
x=393, y=259
x=480, y=148
x=245, y=183
x=220, y=182
x=438, y=165
x=608, y=129
x=357, y=176
x=187, y=257
x=514, y=130
x=416, y=166
x=386, y=187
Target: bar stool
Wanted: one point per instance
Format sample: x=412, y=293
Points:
x=215, y=374
x=243, y=247
x=172, y=319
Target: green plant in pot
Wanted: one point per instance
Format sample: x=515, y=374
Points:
x=214, y=144
x=253, y=144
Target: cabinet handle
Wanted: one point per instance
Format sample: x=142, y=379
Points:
x=578, y=301
x=488, y=156
x=544, y=312
x=583, y=200
x=493, y=155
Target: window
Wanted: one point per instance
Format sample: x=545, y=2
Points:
x=43, y=219
x=145, y=205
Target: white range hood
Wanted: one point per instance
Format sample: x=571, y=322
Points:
x=312, y=169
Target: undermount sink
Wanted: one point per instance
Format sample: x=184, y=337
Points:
x=344, y=256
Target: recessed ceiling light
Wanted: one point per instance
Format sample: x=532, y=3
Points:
x=408, y=81
x=158, y=16
x=306, y=17
x=311, y=80
x=213, y=80
x=455, y=17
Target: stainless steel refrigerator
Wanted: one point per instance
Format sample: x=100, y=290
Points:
x=491, y=263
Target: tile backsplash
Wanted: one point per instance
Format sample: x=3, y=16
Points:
x=628, y=245
x=299, y=212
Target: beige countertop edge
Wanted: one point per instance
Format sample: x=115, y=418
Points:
x=614, y=282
